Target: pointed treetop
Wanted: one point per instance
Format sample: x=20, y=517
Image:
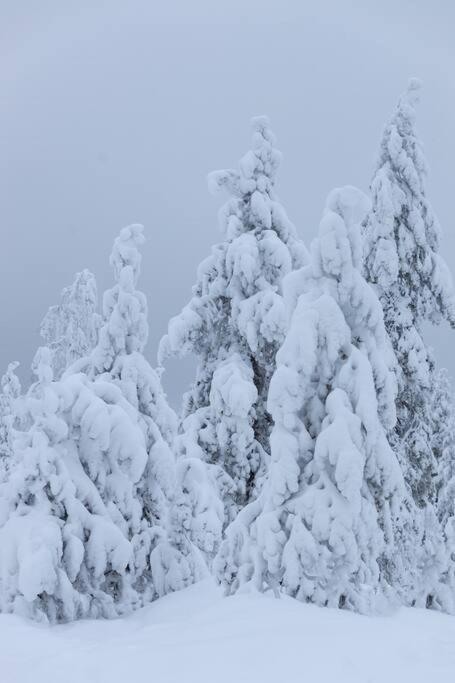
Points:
x=42, y=365
x=125, y=256
x=338, y=246
x=70, y=328
x=10, y=383
x=84, y=279
x=408, y=102
x=84, y=286
x=264, y=149
x=125, y=329
x=261, y=124
x=263, y=138
x=257, y=168
x=350, y=203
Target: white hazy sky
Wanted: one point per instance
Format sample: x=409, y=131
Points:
x=114, y=112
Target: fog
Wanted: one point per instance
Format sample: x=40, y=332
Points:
x=114, y=112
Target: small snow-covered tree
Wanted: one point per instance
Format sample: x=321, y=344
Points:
x=164, y=554
x=235, y=323
x=68, y=507
x=10, y=391
x=443, y=421
x=323, y=528
x=198, y=510
x=441, y=413
x=70, y=329
x=403, y=263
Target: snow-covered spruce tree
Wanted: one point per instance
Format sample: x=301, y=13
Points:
x=10, y=391
x=413, y=283
x=402, y=262
x=235, y=323
x=164, y=557
x=70, y=329
x=441, y=414
x=442, y=411
x=323, y=527
x=68, y=507
x=87, y=515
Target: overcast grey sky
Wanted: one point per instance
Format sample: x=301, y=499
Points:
x=114, y=112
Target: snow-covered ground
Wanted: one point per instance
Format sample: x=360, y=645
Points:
x=199, y=636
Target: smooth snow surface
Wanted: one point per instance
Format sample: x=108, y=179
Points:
x=198, y=636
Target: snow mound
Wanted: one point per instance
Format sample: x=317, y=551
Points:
x=198, y=636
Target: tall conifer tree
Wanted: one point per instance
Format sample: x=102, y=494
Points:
x=235, y=323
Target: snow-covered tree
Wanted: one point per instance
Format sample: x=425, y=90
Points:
x=403, y=262
x=165, y=557
x=10, y=391
x=68, y=506
x=443, y=422
x=70, y=329
x=235, y=323
x=413, y=283
x=323, y=527
x=198, y=510
x=441, y=412
x=89, y=508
